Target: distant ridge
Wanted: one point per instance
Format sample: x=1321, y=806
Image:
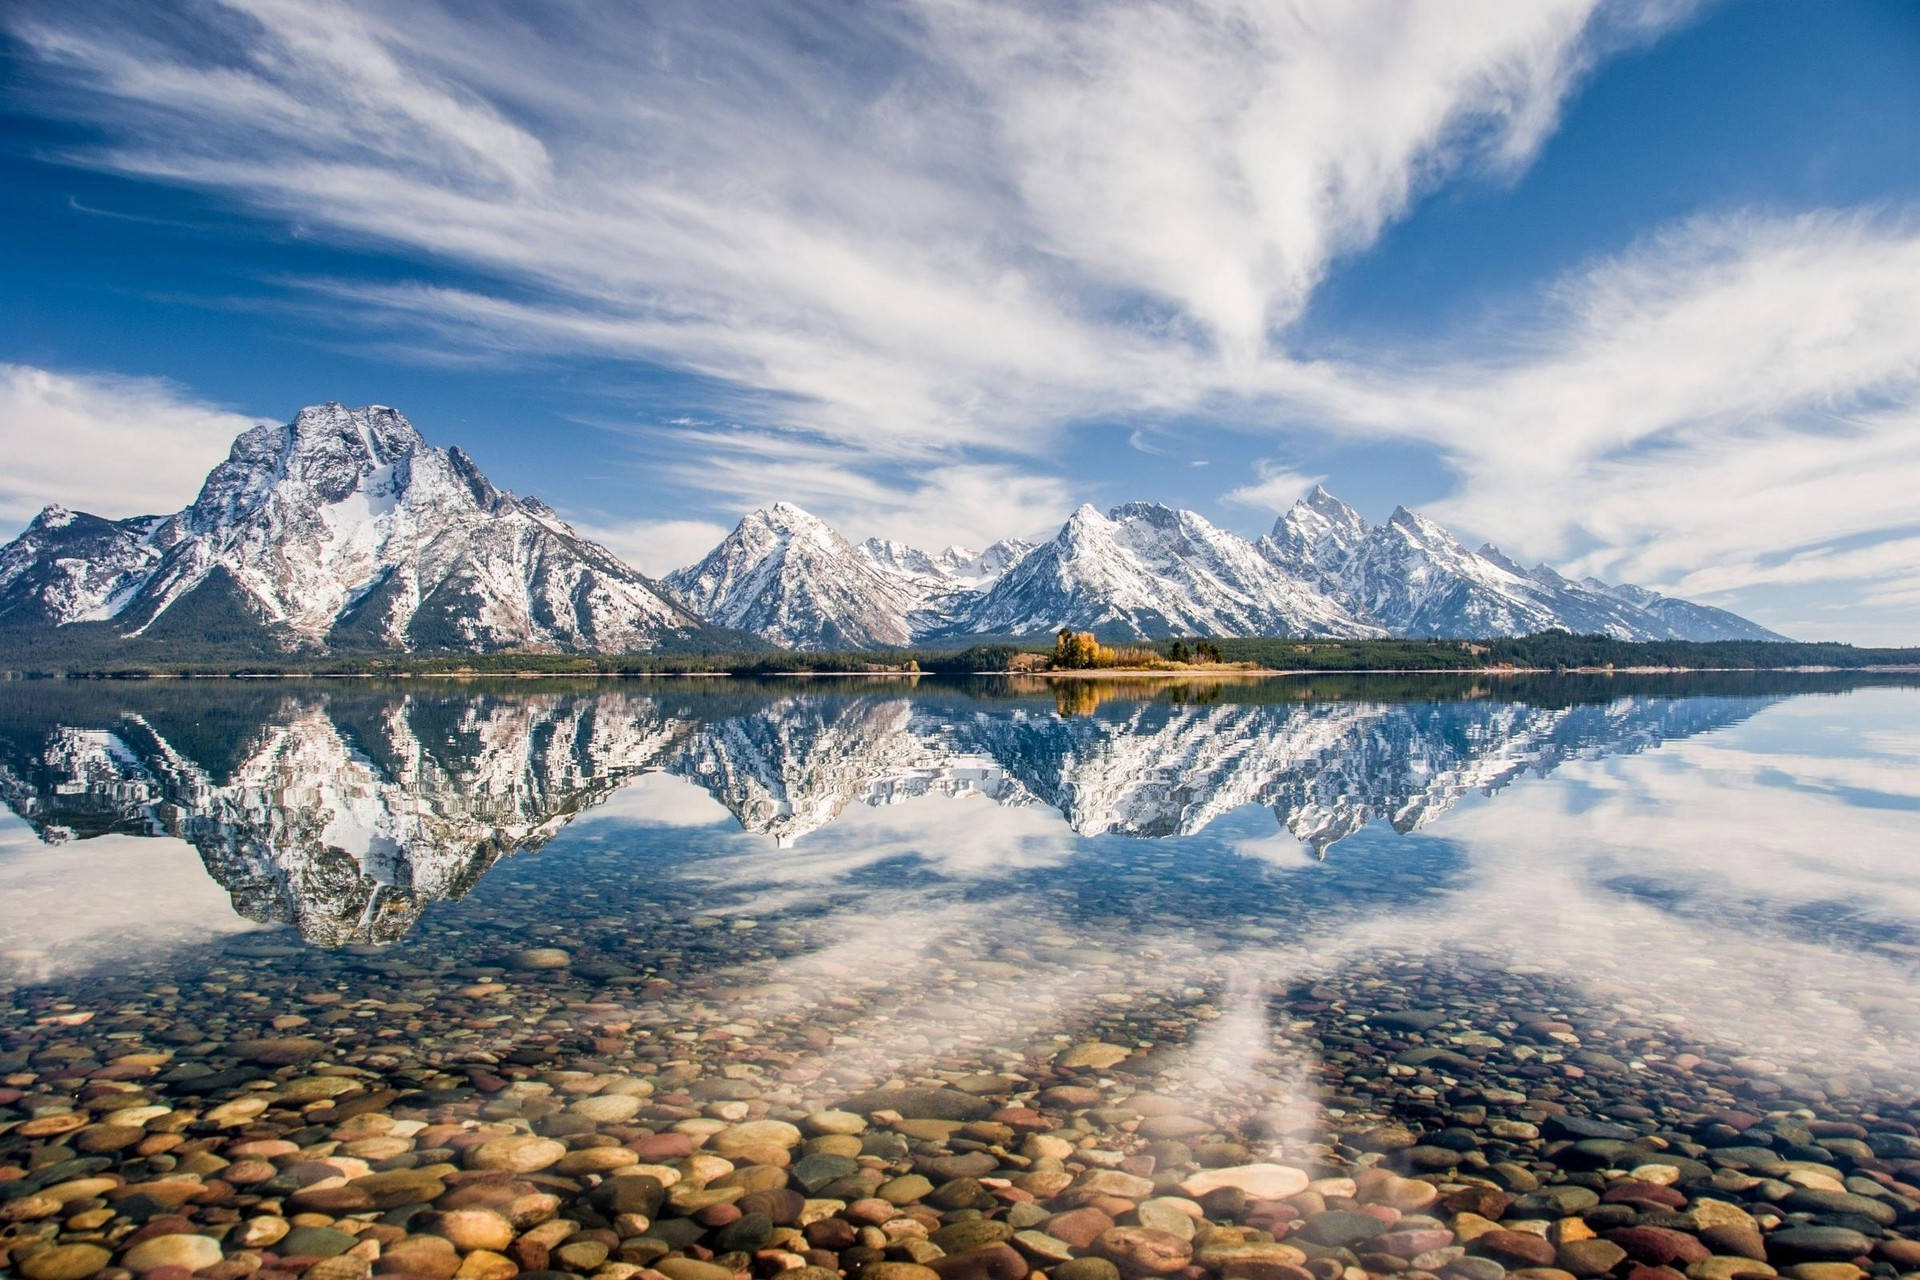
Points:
x=1143, y=572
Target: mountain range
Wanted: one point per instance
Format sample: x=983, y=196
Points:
x=343, y=530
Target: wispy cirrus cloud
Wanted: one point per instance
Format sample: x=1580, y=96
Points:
x=955, y=223
x=1726, y=399
x=109, y=445
x=1274, y=487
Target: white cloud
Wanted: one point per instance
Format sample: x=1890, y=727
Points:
x=931, y=505
x=657, y=800
x=1726, y=398
x=913, y=231
x=655, y=547
x=1274, y=488
x=112, y=446
x=143, y=895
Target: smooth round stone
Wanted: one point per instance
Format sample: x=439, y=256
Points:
x=471, y=1229
x=540, y=958
x=1411, y=1243
x=402, y=1186
x=841, y=1122
x=1095, y=1054
x=1810, y=1200
x=1085, y=1269
x=1824, y=1271
x=1171, y=1215
x=754, y=1134
x=596, y=1160
x=314, y=1088
x=1341, y=1228
x=432, y=1256
x=1586, y=1258
x=1729, y=1268
x=65, y=1262
x=970, y=1233
x=79, y=1189
x=1515, y=1248
x=1659, y=1246
x=1113, y=1182
x=917, y=1103
x=518, y=1154
x=606, y=1108
x=692, y=1269
x=1818, y=1244
x=484, y=1264
x=898, y=1271
x=1475, y=1269
x=581, y=1256
x=280, y=1051
x=1079, y=1227
x=319, y=1242
x=1044, y=1249
x=905, y=1189
x=188, y=1251
x=1143, y=1251
x=990, y=1262
x=1259, y=1181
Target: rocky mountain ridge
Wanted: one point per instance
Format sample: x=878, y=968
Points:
x=1143, y=571
x=344, y=530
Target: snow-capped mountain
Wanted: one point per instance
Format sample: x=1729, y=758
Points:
x=344, y=527
x=955, y=569
x=1145, y=571
x=69, y=566
x=787, y=577
x=345, y=530
x=1411, y=577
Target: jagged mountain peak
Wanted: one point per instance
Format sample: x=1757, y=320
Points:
x=787, y=576
x=1316, y=534
x=343, y=526
x=55, y=516
x=1146, y=570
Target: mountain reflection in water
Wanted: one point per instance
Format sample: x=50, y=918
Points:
x=344, y=810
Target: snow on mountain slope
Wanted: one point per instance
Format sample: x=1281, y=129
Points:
x=787, y=577
x=345, y=526
x=957, y=568
x=69, y=566
x=1412, y=577
x=1146, y=571
x=345, y=529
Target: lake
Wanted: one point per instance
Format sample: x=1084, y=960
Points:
x=1286, y=979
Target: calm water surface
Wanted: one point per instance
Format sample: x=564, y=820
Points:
x=1433, y=926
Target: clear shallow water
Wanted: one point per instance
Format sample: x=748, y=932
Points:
x=1301, y=912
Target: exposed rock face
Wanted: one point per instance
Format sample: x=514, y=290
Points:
x=1143, y=571
x=344, y=527
x=1411, y=577
x=786, y=577
x=1146, y=571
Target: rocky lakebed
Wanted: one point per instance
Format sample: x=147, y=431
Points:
x=661, y=1046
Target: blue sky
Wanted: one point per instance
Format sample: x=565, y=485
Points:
x=1634, y=288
